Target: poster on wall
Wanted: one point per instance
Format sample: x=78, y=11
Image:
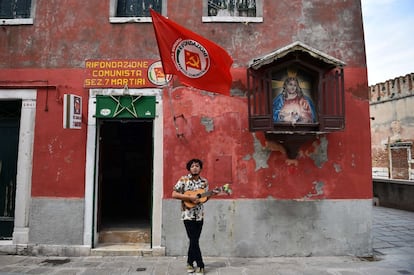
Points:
x=72, y=111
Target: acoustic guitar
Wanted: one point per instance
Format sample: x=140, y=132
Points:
x=203, y=195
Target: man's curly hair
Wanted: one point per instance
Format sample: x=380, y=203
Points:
x=190, y=162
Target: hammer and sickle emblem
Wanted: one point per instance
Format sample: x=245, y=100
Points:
x=193, y=61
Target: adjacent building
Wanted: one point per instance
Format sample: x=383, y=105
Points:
x=392, y=133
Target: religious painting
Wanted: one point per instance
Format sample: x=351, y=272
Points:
x=293, y=100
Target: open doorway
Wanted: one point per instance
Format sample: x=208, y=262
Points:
x=9, y=142
x=125, y=175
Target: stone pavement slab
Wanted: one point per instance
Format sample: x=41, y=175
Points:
x=393, y=239
x=215, y=266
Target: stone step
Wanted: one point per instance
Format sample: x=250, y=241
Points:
x=127, y=249
x=125, y=236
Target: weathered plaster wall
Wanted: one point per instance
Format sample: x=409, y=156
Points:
x=334, y=166
x=56, y=221
x=267, y=227
x=325, y=168
x=213, y=127
x=58, y=154
x=66, y=34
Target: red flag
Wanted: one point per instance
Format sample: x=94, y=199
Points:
x=196, y=61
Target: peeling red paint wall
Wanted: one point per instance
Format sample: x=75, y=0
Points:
x=214, y=127
x=58, y=154
x=336, y=166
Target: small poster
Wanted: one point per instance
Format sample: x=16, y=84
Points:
x=72, y=111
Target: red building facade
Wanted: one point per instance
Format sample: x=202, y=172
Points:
x=73, y=186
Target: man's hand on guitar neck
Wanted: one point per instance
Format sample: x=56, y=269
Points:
x=219, y=191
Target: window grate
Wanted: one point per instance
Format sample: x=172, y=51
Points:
x=239, y=8
x=13, y=9
x=137, y=8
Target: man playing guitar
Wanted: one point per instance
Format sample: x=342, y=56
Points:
x=192, y=217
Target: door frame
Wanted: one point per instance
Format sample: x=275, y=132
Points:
x=102, y=199
x=90, y=235
x=24, y=161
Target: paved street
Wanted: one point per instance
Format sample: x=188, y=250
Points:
x=393, y=240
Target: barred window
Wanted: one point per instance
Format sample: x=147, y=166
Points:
x=134, y=11
x=15, y=9
x=137, y=8
x=232, y=10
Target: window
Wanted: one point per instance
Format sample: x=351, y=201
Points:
x=15, y=12
x=125, y=11
x=137, y=8
x=232, y=10
x=400, y=160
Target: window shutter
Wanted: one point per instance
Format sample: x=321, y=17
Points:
x=259, y=99
x=332, y=101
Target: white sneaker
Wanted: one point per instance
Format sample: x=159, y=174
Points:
x=190, y=268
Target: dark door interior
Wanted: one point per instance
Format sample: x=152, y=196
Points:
x=9, y=144
x=125, y=173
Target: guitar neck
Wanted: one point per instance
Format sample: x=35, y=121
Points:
x=206, y=194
